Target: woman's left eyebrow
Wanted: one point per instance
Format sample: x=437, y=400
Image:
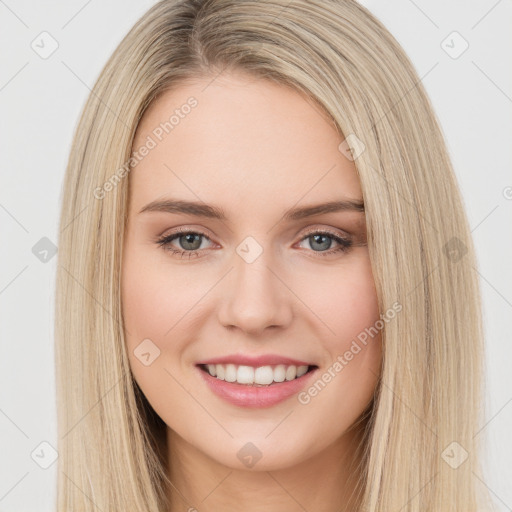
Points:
x=201, y=209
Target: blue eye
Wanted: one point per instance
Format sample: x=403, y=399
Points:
x=190, y=241
x=318, y=237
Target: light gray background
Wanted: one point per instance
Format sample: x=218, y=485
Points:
x=40, y=103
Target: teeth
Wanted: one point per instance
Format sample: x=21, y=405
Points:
x=262, y=375
x=245, y=375
x=219, y=369
x=301, y=370
x=291, y=372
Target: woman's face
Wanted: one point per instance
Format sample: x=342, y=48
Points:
x=253, y=271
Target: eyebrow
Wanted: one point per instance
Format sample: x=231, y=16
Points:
x=200, y=209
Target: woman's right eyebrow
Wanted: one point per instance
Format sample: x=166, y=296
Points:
x=201, y=209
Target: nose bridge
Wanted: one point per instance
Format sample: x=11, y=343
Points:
x=254, y=297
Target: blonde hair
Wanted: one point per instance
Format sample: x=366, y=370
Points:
x=111, y=444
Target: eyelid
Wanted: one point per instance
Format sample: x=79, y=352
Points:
x=332, y=231
x=186, y=229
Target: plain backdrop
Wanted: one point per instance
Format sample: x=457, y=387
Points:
x=40, y=100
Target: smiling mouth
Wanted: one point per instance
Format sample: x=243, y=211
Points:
x=263, y=376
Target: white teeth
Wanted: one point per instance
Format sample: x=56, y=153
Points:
x=230, y=375
x=291, y=372
x=219, y=369
x=262, y=375
x=280, y=373
x=301, y=370
x=245, y=375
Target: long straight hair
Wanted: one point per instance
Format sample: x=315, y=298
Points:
x=421, y=451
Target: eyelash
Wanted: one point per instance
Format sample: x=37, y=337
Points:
x=344, y=243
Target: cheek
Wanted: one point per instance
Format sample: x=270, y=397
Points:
x=348, y=305
x=346, y=301
x=154, y=298
x=353, y=308
x=155, y=303
x=353, y=341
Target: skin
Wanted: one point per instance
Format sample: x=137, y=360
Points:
x=256, y=149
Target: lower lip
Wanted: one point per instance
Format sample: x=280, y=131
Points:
x=244, y=395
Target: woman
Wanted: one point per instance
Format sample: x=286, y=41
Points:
x=265, y=294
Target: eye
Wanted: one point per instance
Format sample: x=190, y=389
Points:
x=320, y=239
x=191, y=241
x=188, y=239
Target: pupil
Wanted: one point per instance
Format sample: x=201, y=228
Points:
x=316, y=237
x=189, y=239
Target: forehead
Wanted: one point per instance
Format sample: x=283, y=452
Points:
x=246, y=143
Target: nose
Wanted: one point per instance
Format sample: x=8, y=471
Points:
x=255, y=297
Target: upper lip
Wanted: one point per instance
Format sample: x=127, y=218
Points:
x=256, y=361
